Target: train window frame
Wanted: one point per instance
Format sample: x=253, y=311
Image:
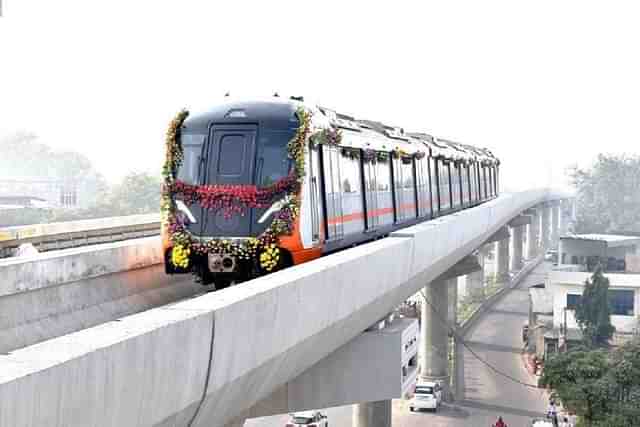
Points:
x=187, y=143
x=332, y=183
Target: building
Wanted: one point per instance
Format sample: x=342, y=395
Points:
x=54, y=192
x=578, y=257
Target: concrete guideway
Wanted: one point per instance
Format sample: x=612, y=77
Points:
x=56, y=293
x=61, y=235
x=484, y=395
x=193, y=362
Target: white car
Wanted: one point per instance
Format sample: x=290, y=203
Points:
x=307, y=419
x=541, y=423
x=427, y=395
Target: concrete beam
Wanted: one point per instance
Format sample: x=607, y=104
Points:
x=61, y=292
x=466, y=265
x=345, y=376
x=55, y=268
x=501, y=234
x=520, y=220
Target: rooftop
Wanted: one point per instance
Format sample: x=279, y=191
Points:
x=612, y=240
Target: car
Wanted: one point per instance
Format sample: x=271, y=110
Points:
x=307, y=419
x=525, y=331
x=539, y=422
x=551, y=255
x=427, y=395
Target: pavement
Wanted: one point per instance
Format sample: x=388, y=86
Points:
x=483, y=394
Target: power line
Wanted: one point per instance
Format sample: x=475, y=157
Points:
x=461, y=340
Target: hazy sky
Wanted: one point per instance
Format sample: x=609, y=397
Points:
x=544, y=84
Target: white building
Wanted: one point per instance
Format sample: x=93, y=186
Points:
x=578, y=256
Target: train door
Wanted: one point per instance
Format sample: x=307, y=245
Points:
x=314, y=193
x=455, y=184
x=491, y=183
x=422, y=182
x=444, y=185
x=433, y=187
x=384, y=193
x=464, y=184
x=351, y=194
x=371, y=196
x=332, y=188
x=230, y=160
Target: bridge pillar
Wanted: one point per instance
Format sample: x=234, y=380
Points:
x=533, y=241
x=546, y=228
x=434, y=336
x=502, y=261
x=555, y=223
x=236, y=423
x=518, y=237
x=475, y=281
x=452, y=317
x=372, y=414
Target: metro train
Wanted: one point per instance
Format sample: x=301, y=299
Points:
x=255, y=186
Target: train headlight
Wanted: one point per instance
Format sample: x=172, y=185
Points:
x=274, y=208
x=185, y=210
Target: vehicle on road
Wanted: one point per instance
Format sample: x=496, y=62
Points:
x=427, y=395
x=551, y=255
x=255, y=186
x=308, y=419
x=539, y=422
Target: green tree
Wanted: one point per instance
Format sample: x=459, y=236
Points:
x=599, y=209
x=138, y=193
x=24, y=156
x=593, y=314
x=579, y=378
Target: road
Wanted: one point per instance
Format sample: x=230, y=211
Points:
x=484, y=394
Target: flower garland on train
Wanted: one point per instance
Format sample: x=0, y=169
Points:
x=234, y=200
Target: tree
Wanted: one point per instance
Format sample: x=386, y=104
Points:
x=599, y=209
x=138, y=193
x=579, y=379
x=601, y=387
x=593, y=314
x=24, y=156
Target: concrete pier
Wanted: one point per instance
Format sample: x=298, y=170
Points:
x=434, y=334
x=372, y=414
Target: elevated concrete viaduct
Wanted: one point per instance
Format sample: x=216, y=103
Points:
x=207, y=360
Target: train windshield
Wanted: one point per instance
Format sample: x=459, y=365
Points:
x=273, y=161
x=235, y=157
x=192, y=146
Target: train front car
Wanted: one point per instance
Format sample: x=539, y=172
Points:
x=233, y=199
